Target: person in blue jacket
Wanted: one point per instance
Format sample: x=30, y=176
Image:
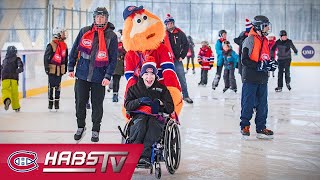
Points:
x=230, y=61
x=218, y=47
x=97, y=46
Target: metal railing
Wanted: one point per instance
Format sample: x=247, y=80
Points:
x=31, y=28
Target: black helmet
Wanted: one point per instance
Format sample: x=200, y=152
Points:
x=221, y=32
x=11, y=50
x=101, y=11
x=283, y=33
x=260, y=22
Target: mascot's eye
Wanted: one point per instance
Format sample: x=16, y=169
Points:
x=138, y=20
x=145, y=17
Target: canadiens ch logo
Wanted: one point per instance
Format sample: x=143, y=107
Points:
x=265, y=57
x=86, y=42
x=23, y=161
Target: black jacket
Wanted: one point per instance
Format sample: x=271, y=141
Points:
x=156, y=91
x=47, y=60
x=239, y=40
x=179, y=43
x=284, y=49
x=119, y=69
x=11, y=67
x=85, y=68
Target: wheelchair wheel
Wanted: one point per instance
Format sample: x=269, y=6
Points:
x=172, y=147
x=125, y=133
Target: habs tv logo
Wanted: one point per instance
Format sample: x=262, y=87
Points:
x=80, y=161
x=23, y=161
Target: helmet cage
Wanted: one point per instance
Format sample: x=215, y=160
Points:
x=259, y=26
x=103, y=12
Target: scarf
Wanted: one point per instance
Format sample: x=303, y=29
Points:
x=260, y=51
x=86, y=45
x=222, y=40
x=60, y=53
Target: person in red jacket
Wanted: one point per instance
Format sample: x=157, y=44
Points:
x=205, y=59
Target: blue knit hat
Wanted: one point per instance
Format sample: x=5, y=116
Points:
x=149, y=66
x=130, y=10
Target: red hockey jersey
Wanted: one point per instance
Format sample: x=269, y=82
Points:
x=205, y=58
x=166, y=73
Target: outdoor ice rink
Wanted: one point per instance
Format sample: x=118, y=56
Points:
x=212, y=147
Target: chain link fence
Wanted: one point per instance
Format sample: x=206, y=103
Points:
x=203, y=20
x=31, y=28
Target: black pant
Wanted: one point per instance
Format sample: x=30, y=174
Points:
x=204, y=76
x=82, y=89
x=284, y=66
x=229, y=78
x=192, y=62
x=116, y=83
x=239, y=66
x=216, y=79
x=54, y=85
x=145, y=130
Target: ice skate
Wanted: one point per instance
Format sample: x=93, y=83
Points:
x=225, y=89
x=95, y=136
x=115, y=97
x=50, y=105
x=278, y=89
x=265, y=134
x=245, y=132
x=288, y=86
x=7, y=103
x=56, y=104
x=79, y=134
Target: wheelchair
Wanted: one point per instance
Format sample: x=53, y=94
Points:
x=167, y=149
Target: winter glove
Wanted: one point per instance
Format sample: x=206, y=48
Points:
x=262, y=66
x=145, y=101
x=155, y=106
x=19, y=70
x=272, y=65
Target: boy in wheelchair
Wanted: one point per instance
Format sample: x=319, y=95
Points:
x=144, y=101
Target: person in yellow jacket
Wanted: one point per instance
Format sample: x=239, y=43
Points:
x=10, y=69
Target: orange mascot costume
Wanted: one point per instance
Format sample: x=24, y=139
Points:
x=143, y=34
